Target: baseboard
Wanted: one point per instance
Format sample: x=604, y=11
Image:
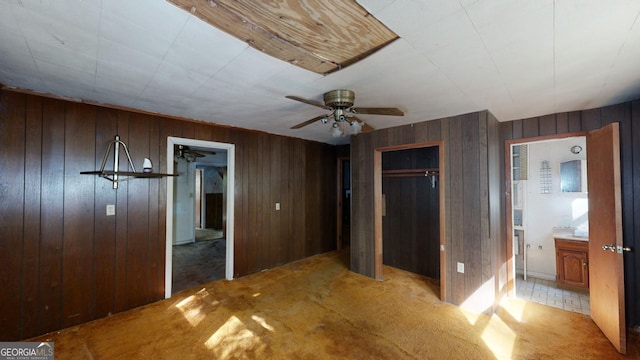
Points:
x=537, y=275
x=184, y=242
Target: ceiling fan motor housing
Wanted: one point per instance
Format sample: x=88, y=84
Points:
x=341, y=99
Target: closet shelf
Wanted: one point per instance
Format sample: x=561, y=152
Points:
x=411, y=172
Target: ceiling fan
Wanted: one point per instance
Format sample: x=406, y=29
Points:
x=184, y=152
x=340, y=104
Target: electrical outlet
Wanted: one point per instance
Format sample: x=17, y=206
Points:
x=111, y=210
x=278, y=206
x=461, y=268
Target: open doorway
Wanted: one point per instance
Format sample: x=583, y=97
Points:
x=408, y=210
x=343, y=210
x=188, y=158
x=549, y=222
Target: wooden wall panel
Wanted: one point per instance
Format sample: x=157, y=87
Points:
x=530, y=127
x=53, y=133
x=138, y=253
x=12, y=190
x=628, y=115
x=454, y=176
x=562, y=123
x=631, y=214
x=496, y=229
x=33, y=184
x=105, y=226
x=69, y=263
x=472, y=237
x=156, y=236
x=77, y=264
x=122, y=223
x=547, y=125
x=485, y=270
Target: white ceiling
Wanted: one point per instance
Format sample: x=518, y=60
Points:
x=518, y=59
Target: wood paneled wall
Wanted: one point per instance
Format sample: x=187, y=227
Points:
x=628, y=115
x=64, y=262
x=472, y=209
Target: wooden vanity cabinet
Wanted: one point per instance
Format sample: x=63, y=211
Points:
x=572, y=262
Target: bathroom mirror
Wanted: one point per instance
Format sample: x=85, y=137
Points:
x=571, y=176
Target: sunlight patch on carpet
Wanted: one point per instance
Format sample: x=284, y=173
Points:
x=233, y=338
x=481, y=300
x=515, y=307
x=499, y=338
x=191, y=307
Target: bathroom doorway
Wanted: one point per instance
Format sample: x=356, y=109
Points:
x=549, y=209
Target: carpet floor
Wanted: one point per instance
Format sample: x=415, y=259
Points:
x=317, y=309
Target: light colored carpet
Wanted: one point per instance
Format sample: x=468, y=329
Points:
x=317, y=309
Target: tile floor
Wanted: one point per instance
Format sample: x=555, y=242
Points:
x=548, y=293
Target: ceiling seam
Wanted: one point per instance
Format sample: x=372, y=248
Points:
x=486, y=49
x=613, y=63
x=24, y=38
x=155, y=72
x=95, y=71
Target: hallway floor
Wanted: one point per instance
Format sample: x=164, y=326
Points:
x=200, y=262
x=547, y=292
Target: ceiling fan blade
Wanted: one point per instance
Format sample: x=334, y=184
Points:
x=367, y=128
x=308, y=122
x=310, y=102
x=378, y=111
x=207, y=152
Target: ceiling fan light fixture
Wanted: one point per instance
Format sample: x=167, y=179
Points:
x=336, y=130
x=357, y=127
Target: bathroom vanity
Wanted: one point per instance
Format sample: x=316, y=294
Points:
x=572, y=261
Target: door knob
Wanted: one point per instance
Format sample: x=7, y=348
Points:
x=611, y=247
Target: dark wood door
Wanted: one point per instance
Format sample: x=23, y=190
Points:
x=214, y=211
x=606, y=276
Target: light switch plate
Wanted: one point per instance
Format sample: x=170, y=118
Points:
x=277, y=206
x=461, y=268
x=111, y=210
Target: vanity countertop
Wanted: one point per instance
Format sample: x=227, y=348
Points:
x=570, y=237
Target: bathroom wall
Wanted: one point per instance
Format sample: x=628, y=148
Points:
x=542, y=212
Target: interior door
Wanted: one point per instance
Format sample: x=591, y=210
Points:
x=606, y=277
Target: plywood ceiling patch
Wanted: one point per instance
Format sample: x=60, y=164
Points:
x=318, y=35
